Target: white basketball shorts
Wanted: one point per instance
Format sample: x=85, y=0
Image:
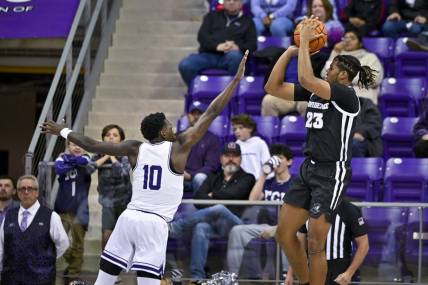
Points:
x=138, y=242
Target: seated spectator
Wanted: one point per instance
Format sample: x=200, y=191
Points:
x=419, y=44
x=367, y=141
x=324, y=9
x=363, y=15
x=33, y=239
x=114, y=182
x=274, y=106
x=406, y=17
x=223, y=38
x=352, y=45
x=7, y=191
x=272, y=189
x=203, y=158
x=72, y=202
x=255, y=150
x=420, y=133
x=277, y=16
x=232, y=183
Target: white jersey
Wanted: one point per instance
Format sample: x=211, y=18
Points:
x=156, y=187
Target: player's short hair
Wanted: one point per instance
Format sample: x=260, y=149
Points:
x=152, y=125
x=107, y=128
x=281, y=149
x=8, y=177
x=246, y=121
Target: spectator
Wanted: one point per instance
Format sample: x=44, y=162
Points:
x=114, y=182
x=272, y=189
x=7, y=191
x=277, y=16
x=324, y=10
x=363, y=15
x=72, y=202
x=409, y=17
x=420, y=43
x=255, y=151
x=32, y=240
x=367, y=141
x=223, y=38
x=352, y=45
x=203, y=158
x=420, y=133
x=342, y=266
x=232, y=183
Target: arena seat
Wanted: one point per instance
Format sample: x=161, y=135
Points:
x=397, y=136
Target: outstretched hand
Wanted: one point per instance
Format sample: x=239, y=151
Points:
x=50, y=127
x=241, y=70
x=308, y=32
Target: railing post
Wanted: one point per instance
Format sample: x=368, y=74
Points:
x=28, y=163
x=278, y=270
x=421, y=224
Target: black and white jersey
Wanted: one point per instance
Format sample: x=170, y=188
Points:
x=330, y=123
x=346, y=225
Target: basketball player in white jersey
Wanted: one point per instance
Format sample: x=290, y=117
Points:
x=139, y=239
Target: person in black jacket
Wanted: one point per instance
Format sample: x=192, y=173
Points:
x=215, y=221
x=363, y=15
x=406, y=18
x=367, y=141
x=223, y=37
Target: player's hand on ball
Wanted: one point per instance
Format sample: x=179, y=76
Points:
x=50, y=127
x=308, y=32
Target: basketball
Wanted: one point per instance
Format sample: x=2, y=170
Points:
x=314, y=45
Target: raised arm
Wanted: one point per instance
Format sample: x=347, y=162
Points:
x=128, y=148
x=275, y=85
x=304, y=67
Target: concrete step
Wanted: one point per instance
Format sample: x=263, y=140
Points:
x=156, y=27
x=100, y=119
x=141, y=80
x=137, y=106
x=140, y=66
x=153, y=53
x=144, y=41
x=177, y=14
x=150, y=92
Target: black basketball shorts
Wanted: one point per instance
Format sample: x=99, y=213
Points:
x=319, y=187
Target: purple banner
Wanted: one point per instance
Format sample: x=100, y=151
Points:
x=36, y=18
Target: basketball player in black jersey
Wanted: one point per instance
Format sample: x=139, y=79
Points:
x=324, y=175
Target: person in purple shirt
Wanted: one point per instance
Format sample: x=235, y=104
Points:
x=203, y=158
x=420, y=132
x=277, y=16
x=7, y=190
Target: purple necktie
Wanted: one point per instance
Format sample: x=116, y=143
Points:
x=24, y=221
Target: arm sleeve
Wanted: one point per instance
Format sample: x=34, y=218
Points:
x=58, y=235
x=204, y=189
x=61, y=166
x=257, y=11
x=205, y=39
x=356, y=221
x=344, y=97
x=300, y=93
x=287, y=10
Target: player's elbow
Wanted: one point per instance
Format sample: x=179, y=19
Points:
x=269, y=88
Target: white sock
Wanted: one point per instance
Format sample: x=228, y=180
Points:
x=148, y=281
x=105, y=278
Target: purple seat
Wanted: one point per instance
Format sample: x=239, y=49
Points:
x=264, y=42
x=384, y=49
x=214, y=72
x=293, y=133
x=267, y=129
x=381, y=225
x=250, y=95
x=295, y=167
x=401, y=97
x=219, y=127
x=182, y=124
x=367, y=175
x=409, y=63
x=406, y=179
x=397, y=136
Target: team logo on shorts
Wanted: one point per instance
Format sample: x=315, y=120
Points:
x=361, y=221
x=315, y=210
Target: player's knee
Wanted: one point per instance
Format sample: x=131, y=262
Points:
x=143, y=274
x=109, y=267
x=315, y=245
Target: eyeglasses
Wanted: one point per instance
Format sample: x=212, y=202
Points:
x=27, y=189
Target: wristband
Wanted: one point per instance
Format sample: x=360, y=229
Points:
x=65, y=132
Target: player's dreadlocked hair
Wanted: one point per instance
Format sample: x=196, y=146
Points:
x=352, y=66
x=152, y=125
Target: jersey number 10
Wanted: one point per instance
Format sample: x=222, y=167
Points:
x=152, y=177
